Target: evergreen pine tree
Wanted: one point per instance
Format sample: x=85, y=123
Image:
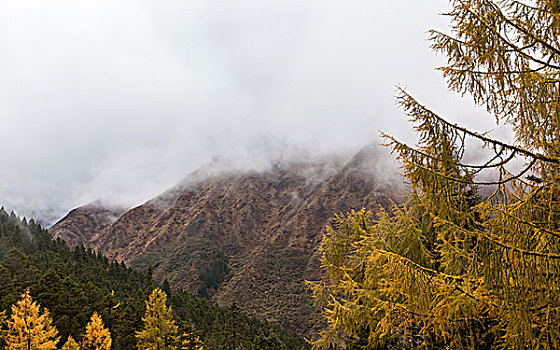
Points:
x=28, y=328
x=149, y=284
x=166, y=288
x=159, y=331
x=97, y=337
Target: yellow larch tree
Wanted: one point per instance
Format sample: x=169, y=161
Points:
x=454, y=268
x=159, y=331
x=29, y=328
x=71, y=344
x=97, y=337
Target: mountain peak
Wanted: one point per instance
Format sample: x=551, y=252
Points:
x=251, y=237
x=81, y=224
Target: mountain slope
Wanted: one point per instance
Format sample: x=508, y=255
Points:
x=80, y=224
x=248, y=237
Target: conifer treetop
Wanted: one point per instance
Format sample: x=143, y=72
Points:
x=159, y=331
x=97, y=337
x=71, y=344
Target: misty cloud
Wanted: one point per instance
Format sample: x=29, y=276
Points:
x=122, y=99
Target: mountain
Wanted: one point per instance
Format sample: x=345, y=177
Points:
x=82, y=223
x=248, y=237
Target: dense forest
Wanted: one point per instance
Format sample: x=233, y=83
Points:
x=76, y=284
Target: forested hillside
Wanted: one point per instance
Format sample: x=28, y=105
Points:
x=73, y=284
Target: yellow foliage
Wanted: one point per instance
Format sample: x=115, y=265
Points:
x=159, y=331
x=451, y=267
x=71, y=344
x=97, y=337
x=28, y=328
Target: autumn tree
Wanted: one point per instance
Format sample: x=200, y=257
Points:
x=451, y=267
x=159, y=331
x=29, y=328
x=97, y=337
x=71, y=344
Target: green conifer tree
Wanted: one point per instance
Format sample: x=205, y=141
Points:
x=149, y=284
x=159, y=331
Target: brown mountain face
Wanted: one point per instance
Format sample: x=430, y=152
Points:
x=250, y=237
x=82, y=223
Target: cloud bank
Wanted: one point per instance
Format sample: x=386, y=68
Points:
x=122, y=99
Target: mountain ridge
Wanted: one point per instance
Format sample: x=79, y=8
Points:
x=246, y=237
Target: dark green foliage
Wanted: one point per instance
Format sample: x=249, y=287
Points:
x=73, y=284
x=228, y=328
x=177, y=262
x=210, y=262
x=232, y=330
x=214, y=273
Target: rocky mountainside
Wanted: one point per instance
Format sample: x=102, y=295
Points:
x=82, y=223
x=248, y=237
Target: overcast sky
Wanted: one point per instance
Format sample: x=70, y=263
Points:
x=122, y=99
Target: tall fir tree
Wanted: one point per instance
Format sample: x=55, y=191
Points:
x=29, y=328
x=159, y=331
x=149, y=284
x=97, y=337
